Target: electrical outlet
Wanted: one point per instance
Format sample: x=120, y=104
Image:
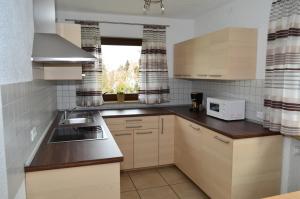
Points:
x=297, y=150
x=260, y=115
x=33, y=134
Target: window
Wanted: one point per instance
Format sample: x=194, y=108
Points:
x=120, y=67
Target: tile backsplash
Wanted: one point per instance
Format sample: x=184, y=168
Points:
x=250, y=90
x=180, y=91
x=24, y=106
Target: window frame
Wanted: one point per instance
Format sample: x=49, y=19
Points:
x=122, y=41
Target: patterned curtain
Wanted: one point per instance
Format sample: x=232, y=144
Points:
x=153, y=77
x=282, y=101
x=89, y=92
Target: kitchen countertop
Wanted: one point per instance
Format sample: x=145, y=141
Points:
x=233, y=129
x=75, y=153
x=135, y=112
x=84, y=153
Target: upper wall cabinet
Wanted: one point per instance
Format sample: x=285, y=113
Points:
x=228, y=54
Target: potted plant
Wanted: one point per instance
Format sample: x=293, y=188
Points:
x=121, y=92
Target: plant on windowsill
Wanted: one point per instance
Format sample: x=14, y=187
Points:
x=121, y=92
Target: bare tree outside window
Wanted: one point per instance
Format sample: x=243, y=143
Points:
x=120, y=68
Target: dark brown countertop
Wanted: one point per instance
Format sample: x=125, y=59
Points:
x=233, y=129
x=84, y=153
x=135, y=112
x=77, y=153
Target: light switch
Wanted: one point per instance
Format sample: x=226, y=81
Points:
x=260, y=115
x=33, y=134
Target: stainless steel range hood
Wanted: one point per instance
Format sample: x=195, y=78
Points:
x=52, y=48
x=49, y=47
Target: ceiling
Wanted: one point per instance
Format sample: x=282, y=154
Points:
x=174, y=8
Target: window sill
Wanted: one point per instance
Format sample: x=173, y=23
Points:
x=125, y=102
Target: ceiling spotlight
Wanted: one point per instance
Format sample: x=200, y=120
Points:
x=149, y=2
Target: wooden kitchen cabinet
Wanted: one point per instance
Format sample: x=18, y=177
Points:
x=70, y=31
x=228, y=54
x=124, y=140
x=166, y=139
x=145, y=148
x=188, y=153
x=76, y=182
x=228, y=168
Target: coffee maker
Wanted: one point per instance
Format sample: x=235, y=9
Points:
x=196, y=102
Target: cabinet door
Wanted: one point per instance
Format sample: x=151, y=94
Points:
x=184, y=59
x=69, y=31
x=217, y=164
x=124, y=140
x=188, y=153
x=145, y=148
x=166, y=140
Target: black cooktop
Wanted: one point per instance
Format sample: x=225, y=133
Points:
x=68, y=134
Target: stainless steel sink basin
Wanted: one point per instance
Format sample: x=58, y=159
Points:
x=81, y=120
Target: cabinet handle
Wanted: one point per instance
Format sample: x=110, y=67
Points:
x=140, y=126
x=143, y=133
x=162, y=125
x=197, y=129
x=215, y=75
x=183, y=75
x=222, y=140
x=123, y=134
x=199, y=75
x=134, y=120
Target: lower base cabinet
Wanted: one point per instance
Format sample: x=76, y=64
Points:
x=125, y=143
x=144, y=141
x=88, y=182
x=225, y=168
x=145, y=148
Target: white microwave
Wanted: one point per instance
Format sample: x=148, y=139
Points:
x=226, y=108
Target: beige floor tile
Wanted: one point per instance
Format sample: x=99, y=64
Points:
x=126, y=183
x=147, y=179
x=158, y=193
x=173, y=175
x=188, y=191
x=130, y=195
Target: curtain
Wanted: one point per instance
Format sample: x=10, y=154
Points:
x=282, y=100
x=153, y=74
x=89, y=92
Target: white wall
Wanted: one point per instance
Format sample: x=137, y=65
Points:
x=240, y=13
x=178, y=31
x=16, y=35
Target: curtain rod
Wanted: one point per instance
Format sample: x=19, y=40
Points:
x=112, y=22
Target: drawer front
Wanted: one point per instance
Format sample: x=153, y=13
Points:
x=145, y=148
x=150, y=122
x=124, y=140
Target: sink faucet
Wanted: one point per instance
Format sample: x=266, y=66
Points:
x=68, y=112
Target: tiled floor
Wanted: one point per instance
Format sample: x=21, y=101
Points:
x=158, y=183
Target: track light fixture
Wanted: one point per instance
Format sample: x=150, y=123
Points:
x=149, y=2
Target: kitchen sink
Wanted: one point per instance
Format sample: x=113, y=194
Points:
x=82, y=120
x=69, y=134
